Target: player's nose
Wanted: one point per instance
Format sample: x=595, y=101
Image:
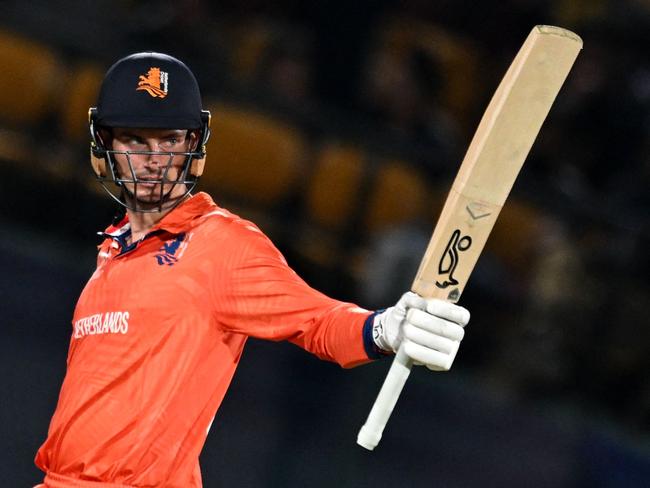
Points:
x=154, y=159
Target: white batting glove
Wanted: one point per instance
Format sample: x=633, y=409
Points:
x=431, y=330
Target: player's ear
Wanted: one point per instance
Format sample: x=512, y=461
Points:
x=97, y=146
x=201, y=136
x=105, y=138
x=98, y=152
x=193, y=139
x=98, y=164
x=197, y=165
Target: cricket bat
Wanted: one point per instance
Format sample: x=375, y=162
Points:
x=497, y=152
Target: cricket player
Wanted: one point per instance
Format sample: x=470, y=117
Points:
x=180, y=284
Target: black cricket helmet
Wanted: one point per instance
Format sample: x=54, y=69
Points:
x=147, y=90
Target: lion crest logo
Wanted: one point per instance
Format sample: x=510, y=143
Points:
x=155, y=83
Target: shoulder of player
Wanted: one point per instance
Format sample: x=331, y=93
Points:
x=231, y=242
x=222, y=220
x=222, y=226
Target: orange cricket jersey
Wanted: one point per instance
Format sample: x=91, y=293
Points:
x=157, y=334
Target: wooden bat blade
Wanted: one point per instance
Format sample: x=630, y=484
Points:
x=497, y=152
x=494, y=158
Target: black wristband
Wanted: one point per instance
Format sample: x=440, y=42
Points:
x=369, y=345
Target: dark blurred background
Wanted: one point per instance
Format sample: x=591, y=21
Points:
x=337, y=127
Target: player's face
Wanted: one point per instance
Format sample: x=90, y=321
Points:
x=148, y=160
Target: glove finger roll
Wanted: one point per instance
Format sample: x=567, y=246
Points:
x=450, y=360
x=436, y=325
x=448, y=311
x=427, y=339
x=432, y=359
x=413, y=300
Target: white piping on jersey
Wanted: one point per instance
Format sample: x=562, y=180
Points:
x=216, y=212
x=224, y=214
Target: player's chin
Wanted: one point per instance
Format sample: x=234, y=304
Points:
x=147, y=192
x=150, y=194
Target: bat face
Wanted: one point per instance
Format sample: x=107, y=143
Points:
x=494, y=158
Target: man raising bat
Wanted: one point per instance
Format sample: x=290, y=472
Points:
x=180, y=284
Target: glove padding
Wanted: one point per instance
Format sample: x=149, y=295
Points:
x=431, y=330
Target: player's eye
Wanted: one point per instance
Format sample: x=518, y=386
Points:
x=132, y=142
x=170, y=143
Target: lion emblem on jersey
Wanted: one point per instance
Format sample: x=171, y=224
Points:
x=171, y=251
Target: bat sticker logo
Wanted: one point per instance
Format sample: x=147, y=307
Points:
x=450, y=258
x=477, y=210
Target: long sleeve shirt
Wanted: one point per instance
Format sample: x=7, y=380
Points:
x=157, y=334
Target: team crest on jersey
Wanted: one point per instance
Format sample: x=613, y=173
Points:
x=172, y=250
x=155, y=83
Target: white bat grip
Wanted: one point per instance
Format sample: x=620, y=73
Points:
x=399, y=371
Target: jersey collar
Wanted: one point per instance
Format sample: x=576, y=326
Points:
x=180, y=217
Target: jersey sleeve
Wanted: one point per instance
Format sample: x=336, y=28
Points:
x=259, y=295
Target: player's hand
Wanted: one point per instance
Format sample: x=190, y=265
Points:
x=431, y=330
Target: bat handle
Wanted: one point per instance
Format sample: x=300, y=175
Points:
x=370, y=434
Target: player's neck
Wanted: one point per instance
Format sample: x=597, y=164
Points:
x=142, y=222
